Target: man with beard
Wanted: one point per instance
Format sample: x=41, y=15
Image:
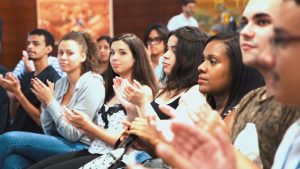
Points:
x=24, y=107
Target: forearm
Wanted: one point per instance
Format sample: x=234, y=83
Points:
x=13, y=107
x=145, y=109
x=132, y=113
x=31, y=110
x=101, y=134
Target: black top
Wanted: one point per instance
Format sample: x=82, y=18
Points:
x=161, y=115
x=3, y=104
x=23, y=121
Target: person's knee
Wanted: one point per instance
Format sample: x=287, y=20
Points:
x=15, y=161
x=9, y=137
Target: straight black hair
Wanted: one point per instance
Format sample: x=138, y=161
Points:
x=189, y=54
x=244, y=78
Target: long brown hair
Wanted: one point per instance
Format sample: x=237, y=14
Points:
x=141, y=69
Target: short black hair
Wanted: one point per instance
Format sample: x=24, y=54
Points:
x=49, y=38
x=297, y=2
x=185, y=2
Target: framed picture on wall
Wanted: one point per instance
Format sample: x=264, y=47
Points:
x=62, y=16
x=217, y=13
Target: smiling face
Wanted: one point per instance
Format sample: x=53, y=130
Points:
x=70, y=56
x=169, y=57
x=255, y=36
x=121, y=58
x=286, y=80
x=215, y=76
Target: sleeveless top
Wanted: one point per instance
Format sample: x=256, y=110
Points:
x=110, y=119
x=161, y=115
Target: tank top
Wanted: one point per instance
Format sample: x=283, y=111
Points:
x=161, y=115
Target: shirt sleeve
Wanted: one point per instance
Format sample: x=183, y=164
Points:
x=19, y=69
x=89, y=99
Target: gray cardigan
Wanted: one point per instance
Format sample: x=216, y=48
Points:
x=87, y=98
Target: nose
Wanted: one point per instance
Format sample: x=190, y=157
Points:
x=62, y=56
x=29, y=46
x=202, y=68
x=166, y=55
x=101, y=50
x=113, y=56
x=247, y=32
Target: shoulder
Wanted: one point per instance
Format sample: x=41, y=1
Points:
x=252, y=96
x=52, y=59
x=193, y=95
x=90, y=78
x=174, y=19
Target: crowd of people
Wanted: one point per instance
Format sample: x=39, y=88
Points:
x=179, y=98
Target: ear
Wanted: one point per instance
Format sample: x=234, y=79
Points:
x=49, y=49
x=83, y=57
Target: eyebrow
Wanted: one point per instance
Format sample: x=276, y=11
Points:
x=209, y=56
x=260, y=15
x=33, y=41
x=256, y=16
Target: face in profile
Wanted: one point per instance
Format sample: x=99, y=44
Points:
x=286, y=78
x=255, y=36
x=257, y=21
x=104, y=50
x=121, y=58
x=70, y=56
x=36, y=47
x=215, y=76
x=169, y=57
x=155, y=43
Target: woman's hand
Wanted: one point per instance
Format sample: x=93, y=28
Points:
x=147, y=135
x=194, y=147
x=43, y=92
x=78, y=120
x=134, y=93
x=118, y=88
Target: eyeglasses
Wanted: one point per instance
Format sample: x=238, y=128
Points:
x=154, y=41
x=280, y=42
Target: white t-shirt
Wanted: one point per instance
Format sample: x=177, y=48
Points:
x=180, y=20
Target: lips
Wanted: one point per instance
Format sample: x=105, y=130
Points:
x=247, y=46
x=62, y=64
x=165, y=65
x=202, y=80
x=114, y=65
x=30, y=52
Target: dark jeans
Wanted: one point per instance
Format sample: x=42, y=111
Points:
x=69, y=160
